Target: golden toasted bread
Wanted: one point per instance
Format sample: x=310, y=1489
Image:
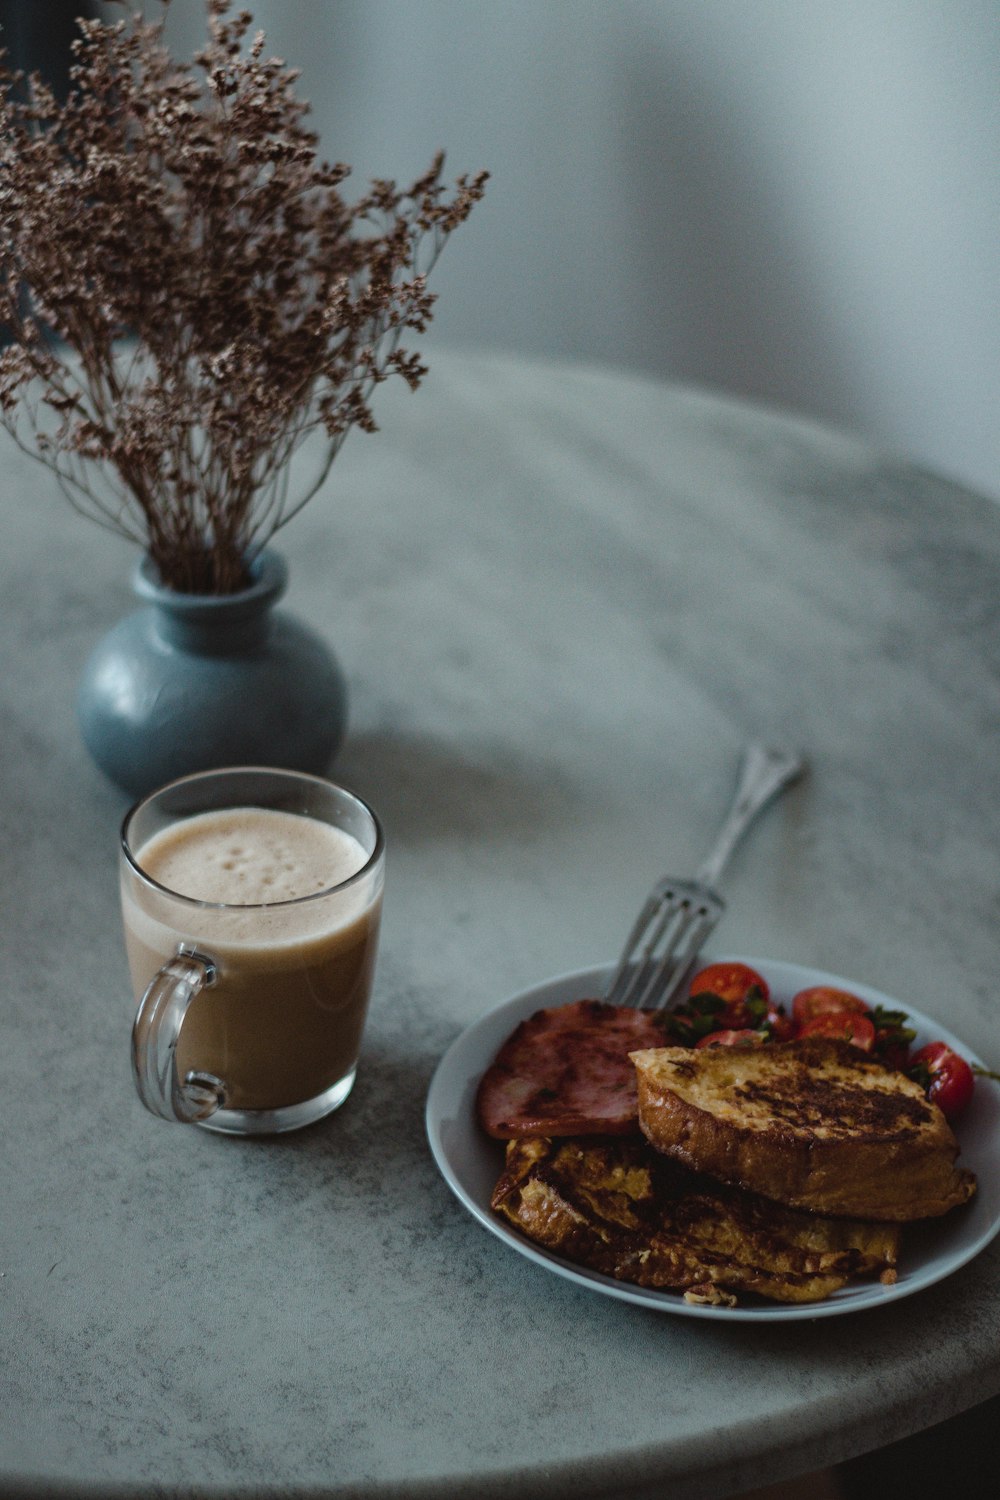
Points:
x=813, y=1124
x=616, y=1206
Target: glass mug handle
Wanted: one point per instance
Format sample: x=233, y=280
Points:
x=155, y=1032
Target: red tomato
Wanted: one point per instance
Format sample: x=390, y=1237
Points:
x=823, y=1000
x=850, y=1026
x=781, y=1028
x=946, y=1078
x=744, y=991
x=732, y=1039
x=731, y=982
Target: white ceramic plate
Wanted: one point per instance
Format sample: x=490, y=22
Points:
x=470, y=1161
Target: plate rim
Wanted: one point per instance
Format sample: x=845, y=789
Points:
x=853, y=1299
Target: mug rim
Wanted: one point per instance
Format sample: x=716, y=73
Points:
x=276, y=771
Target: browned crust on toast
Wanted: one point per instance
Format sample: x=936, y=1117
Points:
x=812, y=1124
x=619, y=1208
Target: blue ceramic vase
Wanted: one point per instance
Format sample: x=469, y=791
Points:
x=195, y=681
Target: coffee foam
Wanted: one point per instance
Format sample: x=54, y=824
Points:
x=250, y=856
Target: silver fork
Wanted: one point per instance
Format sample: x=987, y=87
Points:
x=679, y=914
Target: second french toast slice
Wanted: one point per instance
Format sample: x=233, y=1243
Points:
x=616, y=1206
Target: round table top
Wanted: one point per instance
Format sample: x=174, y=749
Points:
x=564, y=598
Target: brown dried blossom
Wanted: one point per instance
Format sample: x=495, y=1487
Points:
x=185, y=293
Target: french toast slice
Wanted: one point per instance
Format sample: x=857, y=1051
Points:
x=616, y=1206
x=813, y=1124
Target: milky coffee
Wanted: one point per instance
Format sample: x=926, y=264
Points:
x=283, y=1022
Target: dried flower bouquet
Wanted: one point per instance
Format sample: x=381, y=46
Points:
x=186, y=295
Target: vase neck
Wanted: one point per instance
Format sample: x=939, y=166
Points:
x=216, y=625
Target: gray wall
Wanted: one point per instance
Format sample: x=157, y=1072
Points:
x=796, y=200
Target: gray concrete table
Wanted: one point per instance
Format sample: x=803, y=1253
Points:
x=564, y=598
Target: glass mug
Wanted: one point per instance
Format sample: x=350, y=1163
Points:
x=251, y=901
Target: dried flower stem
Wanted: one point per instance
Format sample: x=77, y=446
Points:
x=187, y=295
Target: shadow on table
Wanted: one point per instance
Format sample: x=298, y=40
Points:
x=957, y=1457
x=423, y=788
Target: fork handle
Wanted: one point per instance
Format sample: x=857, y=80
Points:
x=763, y=773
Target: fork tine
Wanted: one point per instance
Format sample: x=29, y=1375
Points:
x=676, y=919
x=669, y=917
x=680, y=914
x=620, y=982
x=673, y=966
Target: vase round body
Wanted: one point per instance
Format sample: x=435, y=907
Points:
x=191, y=682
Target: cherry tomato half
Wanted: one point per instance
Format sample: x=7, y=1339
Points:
x=849, y=1026
x=732, y=1039
x=745, y=993
x=945, y=1077
x=823, y=1000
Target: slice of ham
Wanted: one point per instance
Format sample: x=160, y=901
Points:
x=566, y=1071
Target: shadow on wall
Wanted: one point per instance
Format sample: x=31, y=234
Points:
x=794, y=200
x=37, y=35
x=714, y=223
